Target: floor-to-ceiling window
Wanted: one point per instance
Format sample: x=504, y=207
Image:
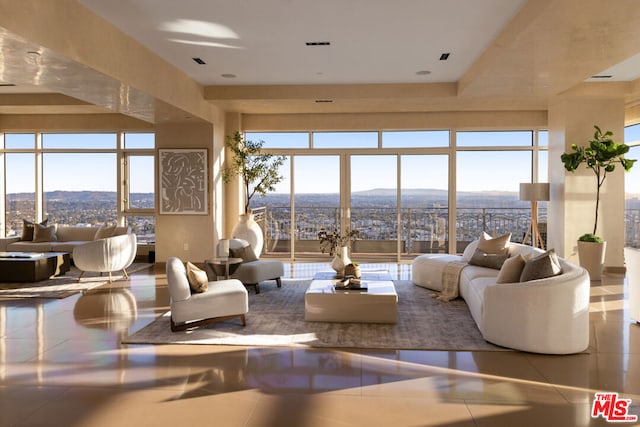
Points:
x=490, y=165
x=79, y=178
x=138, y=172
x=20, y=181
x=632, y=188
x=394, y=187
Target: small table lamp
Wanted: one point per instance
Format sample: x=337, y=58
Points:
x=534, y=192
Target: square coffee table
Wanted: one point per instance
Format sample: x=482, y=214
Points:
x=378, y=304
x=32, y=266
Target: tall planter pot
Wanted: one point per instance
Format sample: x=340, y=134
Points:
x=591, y=257
x=248, y=229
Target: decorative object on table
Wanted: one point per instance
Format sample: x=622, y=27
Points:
x=183, y=181
x=336, y=245
x=601, y=156
x=223, y=248
x=260, y=173
x=353, y=269
x=534, y=192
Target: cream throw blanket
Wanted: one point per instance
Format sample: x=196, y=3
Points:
x=450, y=281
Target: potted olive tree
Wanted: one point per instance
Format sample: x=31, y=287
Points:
x=260, y=174
x=601, y=156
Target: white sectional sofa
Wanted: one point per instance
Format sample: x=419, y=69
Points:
x=63, y=239
x=548, y=315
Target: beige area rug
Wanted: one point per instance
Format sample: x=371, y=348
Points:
x=62, y=286
x=276, y=318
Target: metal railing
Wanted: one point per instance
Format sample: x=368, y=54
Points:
x=422, y=230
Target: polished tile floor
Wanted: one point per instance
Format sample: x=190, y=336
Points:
x=62, y=364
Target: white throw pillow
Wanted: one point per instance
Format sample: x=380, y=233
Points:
x=105, y=231
x=198, y=280
x=494, y=245
x=511, y=270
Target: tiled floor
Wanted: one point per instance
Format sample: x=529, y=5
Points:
x=61, y=364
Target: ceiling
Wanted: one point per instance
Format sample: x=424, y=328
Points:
x=378, y=55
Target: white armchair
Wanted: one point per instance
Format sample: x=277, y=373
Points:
x=106, y=255
x=223, y=299
x=252, y=271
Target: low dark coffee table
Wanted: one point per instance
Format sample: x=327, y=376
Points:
x=32, y=267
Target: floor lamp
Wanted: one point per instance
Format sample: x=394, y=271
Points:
x=534, y=192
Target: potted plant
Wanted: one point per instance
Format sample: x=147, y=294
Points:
x=336, y=244
x=601, y=156
x=260, y=174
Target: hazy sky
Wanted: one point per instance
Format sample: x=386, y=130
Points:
x=476, y=170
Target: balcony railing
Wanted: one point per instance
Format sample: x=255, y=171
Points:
x=422, y=230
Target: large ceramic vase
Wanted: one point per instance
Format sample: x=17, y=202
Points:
x=591, y=256
x=340, y=260
x=248, y=229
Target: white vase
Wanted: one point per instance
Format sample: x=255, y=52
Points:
x=591, y=257
x=248, y=229
x=340, y=260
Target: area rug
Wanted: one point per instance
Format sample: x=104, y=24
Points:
x=276, y=318
x=62, y=286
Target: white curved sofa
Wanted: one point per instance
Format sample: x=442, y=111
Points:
x=549, y=315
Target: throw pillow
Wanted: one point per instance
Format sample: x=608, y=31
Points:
x=105, y=231
x=541, y=267
x=482, y=259
x=494, y=245
x=198, y=280
x=42, y=233
x=27, y=229
x=246, y=253
x=511, y=269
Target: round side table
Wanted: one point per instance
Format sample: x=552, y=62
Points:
x=223, y=266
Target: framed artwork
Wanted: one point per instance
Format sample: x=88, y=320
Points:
x=183, y=181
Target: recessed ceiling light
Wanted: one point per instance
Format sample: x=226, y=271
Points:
x=444, y=56
x=228, y=76
x=318, y=43
x=601, y=76
x=423, y=72
x=199, y=61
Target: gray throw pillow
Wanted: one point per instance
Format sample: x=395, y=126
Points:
x=541, y=267
x=27, y=229
x=246, y=253
x=483, y=259
x=42, y=233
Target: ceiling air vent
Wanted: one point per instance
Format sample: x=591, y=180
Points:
x=324, y=101
x=444, y=56
x=318, y=43
x=6, y=85
x=601, y=76
x=199, y=61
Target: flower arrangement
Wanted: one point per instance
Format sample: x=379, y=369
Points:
x=332, y=241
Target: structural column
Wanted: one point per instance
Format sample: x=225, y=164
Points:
x=573, y=194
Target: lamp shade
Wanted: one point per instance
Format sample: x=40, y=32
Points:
x=534, y=191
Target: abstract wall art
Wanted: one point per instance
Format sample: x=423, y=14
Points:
x=183, y=181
